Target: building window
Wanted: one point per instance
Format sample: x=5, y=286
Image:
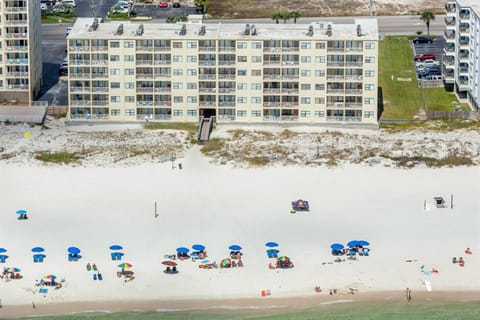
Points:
x=129, y=99
x=305, y=114
x=177, y=58
x=191, y=72
x=177, y=45
x=242, y=59
x=320, y=45
x=177, y=85
x=191, y=86
x=191, y=44
x=305, y=73
x=256, y=45
x=191, y=58
x=241, y=113
x=256, y=113
x=306, y=45
x=242, y=99
x=256, y=73
x=256, y=59
x=369, y=114
x=369, y=59
x=178, y=99
x=241, y=86
x=305, y=100
x=256, y=100
x=319, y=114
x=320, y=59
x=129, y=72
x=242, y=72
x=114, y=112
x=192, y=99
x=177, y=113
x=192, y=113
x=369, y=73
x=319, y=100
x=370, y=45
x=306, y=59
x=129, y=85
x=115, y=99
x=115, y=72
x=129, y=112
x=256, y=86
x=241, y=45
x=128, y=58
x=319, y=86
x=177, y=72
x=319, y=73
x=305, y=86
x=114, y=44
x=115, y=85
x=369, y=87
x=114, y=57
x=369, y=100
x=128, y=44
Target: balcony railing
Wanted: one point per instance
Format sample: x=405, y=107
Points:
x=207, y=103
x=335, y=77
x=99, y=48
x=226, y=62
x=162, y=117
x=80, y=102
x=335, y=63
x=144, y=89
x=143, y=48
x=207, y=76
x=80, y=89
x=17, y=74
x=226, y=117
x=144, y=76
x=80, y=75
x=356, y=49
x=162, y=48
x=354, y=77
x=144, y=103
x=163, y=103
x=290, y=91
x=290, y=49
x=226, y=90
x=353, y=63
x=207, y=63
x=79, y=48
x=16, y=9
x=162, y=89
x=99, y=75
x=335, y=49
x=335, y=91
x=268, y=104
x=335, y=104
x=79, y=62
x=16, y=35
x=163, y=62
x=207, y=90
x=99, y=102
x=207, y=49
x=463, y=70
x=290, y=104
x=144, y=62
x=289, y=118
x=15, y=22
x=271, y=49
x=18, y=86
x=353, y=91
x=226, y=103
x=226, y=49
x=226, y=76
x=290, y=76
x=465, y=16
x=290, y=63
x=17, y=61
x=271, y=91
x=17, y=48
x=353, y=105
x=271, y=76
x=100, y=89
x=163, y=75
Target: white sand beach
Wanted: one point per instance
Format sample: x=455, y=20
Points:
x=219, y=205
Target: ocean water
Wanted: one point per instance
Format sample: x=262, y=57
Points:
x=357, y=311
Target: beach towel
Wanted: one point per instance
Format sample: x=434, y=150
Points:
x=43, y=290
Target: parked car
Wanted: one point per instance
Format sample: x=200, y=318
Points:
x=67, y=30
x=424, y=56
x=434, y=77
x=163, y=4
x=70, y=2
x=419, y=40
x=176, y=5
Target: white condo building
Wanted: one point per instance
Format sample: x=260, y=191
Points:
x=461, y=60
x=312, y=73
x=20, y=51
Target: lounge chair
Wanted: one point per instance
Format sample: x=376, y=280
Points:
x=41, y=257
x=94, y=276
x=100, y=277
x=114, y=256
x=35, y=258
x=3, y=258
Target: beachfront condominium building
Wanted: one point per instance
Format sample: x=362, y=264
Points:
x=311, y=73
x=20, y=51
x=461, y=60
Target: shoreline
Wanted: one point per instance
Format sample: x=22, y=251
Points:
x=247, y=305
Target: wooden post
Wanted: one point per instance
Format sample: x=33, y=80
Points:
x=451, y=201
x=156, y=214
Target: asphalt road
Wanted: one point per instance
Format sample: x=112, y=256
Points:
x=93, y=8
x=54, y=88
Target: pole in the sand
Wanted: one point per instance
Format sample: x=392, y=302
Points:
x=156, y=214
x=451, y=201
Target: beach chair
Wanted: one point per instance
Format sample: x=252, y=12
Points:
x=94, y=276
x=43, y=290
x=3, y=258
x=35, y=258
x=100, y=277
x=40, y=258
x=114, y=256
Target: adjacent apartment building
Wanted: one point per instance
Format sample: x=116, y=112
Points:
x=20, y=51
x=313, y=73
x=461, y=60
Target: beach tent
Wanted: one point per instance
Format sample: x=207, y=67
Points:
x=300, y=205
x=284, y=262
x=226, y=263
x=271, y=244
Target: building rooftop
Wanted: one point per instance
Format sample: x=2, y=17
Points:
x=474, y=4
x=84, y=29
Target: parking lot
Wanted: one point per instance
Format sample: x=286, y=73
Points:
x=436, y=48
x=154, y=11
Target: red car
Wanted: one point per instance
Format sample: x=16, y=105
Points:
x=163, y=4
x=426, y=56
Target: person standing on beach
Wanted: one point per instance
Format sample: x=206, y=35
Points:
x=33, y=305
x=408, y=294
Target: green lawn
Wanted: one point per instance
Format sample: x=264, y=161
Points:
x=58, y=18
x=401, y=96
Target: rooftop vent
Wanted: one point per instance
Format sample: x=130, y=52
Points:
x=139, y=31
x=202, y=31
x=119, y=30
x=183, y=31
x=94, y=25
x=246, y=32
x=359, y=30
x=253, y=30
x=329, y=30
x=310, y=31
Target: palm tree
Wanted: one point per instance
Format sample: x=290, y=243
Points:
x=276, y=16
x=295, y=15
x=201, y=5
x=427, y=16
x=285, y=16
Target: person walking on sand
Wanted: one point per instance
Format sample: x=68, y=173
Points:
x=408, y=294
x=33, y=305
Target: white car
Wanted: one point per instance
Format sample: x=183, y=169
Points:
x=70, y=2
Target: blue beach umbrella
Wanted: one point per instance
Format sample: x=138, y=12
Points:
x=352, y=243
x=235, y=247
x=3, y=250
x=116, y=247
x=73, y=250
x=337, y=246
x=198, y=247
x=21, y=211
x=363, y=243
x=271, y=244
x=182, y=250
x=38, y=249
